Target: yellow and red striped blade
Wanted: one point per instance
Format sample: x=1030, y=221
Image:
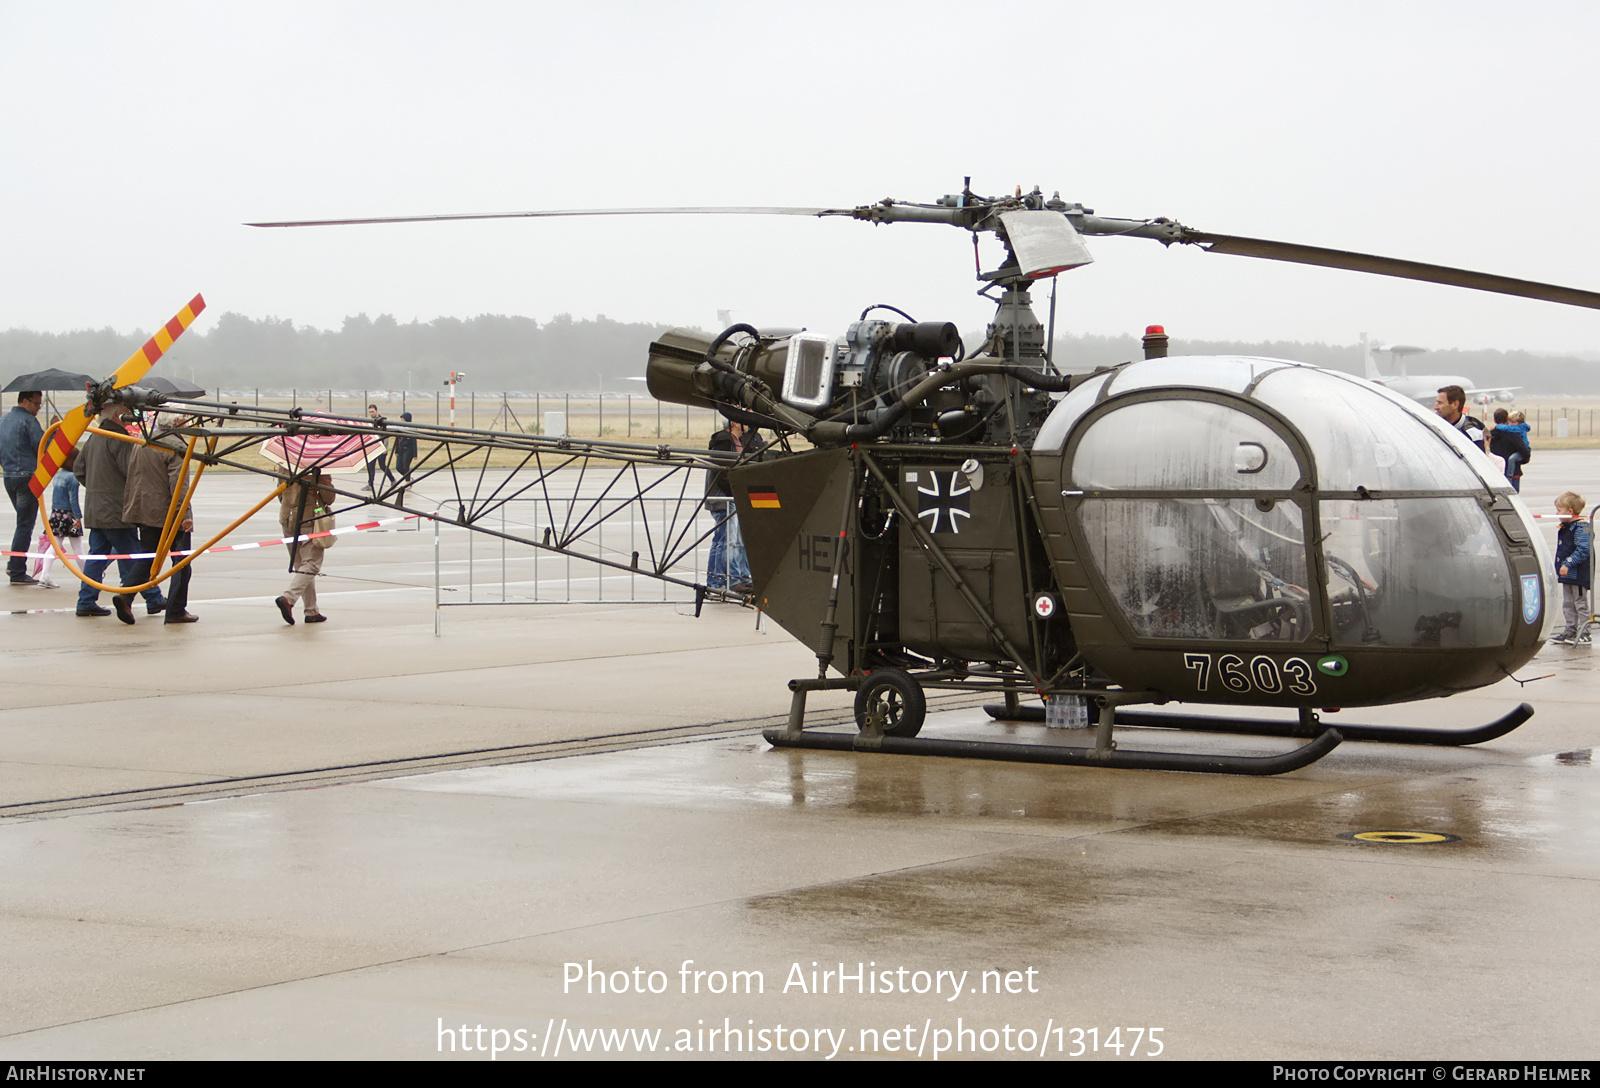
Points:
x=76, y=421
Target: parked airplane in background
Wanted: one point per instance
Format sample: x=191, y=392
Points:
x=1422, y=387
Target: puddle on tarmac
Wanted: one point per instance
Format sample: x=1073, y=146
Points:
x=1525, y=806
x=744, y=774
x=1536, y=811
x=1072, y=891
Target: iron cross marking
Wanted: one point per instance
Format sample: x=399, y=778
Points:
x=944, y=501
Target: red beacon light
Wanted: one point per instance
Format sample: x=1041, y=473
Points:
x=1155, y=342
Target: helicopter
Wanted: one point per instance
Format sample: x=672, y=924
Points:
x=1224, y=530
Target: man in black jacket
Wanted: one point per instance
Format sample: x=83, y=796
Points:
x=19, y=450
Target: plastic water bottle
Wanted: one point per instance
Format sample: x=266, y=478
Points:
x=1066, y=712
x=1057, y=712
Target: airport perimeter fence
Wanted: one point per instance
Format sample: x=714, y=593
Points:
x=1548, y=422
x=576, y=415
x=639, y=416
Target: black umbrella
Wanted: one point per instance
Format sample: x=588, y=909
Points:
x=48, y=379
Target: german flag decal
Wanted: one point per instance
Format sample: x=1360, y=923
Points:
x=764, y=498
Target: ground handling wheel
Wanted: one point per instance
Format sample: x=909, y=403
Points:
x=889, y=703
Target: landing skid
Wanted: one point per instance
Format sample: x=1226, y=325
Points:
x=890, y=711
x=1257, y=727
x=1046, y=753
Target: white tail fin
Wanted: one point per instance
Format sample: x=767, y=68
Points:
x=1368, y=361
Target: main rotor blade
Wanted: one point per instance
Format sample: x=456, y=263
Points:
x=1388, y=266
x=553, y=214
x=1163, y=230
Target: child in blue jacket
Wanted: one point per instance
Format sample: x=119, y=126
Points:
x=1572, y=569
x=1508, y=439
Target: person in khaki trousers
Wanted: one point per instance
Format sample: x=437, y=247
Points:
x=305, y=557
x=152, y=477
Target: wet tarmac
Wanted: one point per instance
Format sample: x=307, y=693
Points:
x=559, y=824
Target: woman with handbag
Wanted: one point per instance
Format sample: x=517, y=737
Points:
x=300, y=510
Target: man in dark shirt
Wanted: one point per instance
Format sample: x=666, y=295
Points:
x=1451, y=404
x=19, y=451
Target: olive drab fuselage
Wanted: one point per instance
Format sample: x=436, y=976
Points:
x=1222, y=530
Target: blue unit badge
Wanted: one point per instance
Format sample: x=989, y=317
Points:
x=1531, y=593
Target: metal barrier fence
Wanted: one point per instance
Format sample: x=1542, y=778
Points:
x=505, y=572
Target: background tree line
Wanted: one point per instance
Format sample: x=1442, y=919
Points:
x=497, y=352
x=500, y=352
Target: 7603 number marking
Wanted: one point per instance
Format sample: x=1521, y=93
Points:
x=1262, y=674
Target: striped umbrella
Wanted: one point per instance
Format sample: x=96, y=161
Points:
x=323, y=450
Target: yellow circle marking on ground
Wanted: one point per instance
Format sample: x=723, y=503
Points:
x=1400, y=836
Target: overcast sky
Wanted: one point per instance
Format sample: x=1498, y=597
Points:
x=135, y=139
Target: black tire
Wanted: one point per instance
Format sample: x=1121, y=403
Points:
x=891, y=703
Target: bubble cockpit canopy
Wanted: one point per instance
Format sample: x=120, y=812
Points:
x=1258, y=500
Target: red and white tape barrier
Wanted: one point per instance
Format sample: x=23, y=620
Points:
x=357, y=528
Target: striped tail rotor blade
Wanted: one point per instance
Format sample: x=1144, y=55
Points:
x=75, y=422
x=140, y=362
x=54, y=455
